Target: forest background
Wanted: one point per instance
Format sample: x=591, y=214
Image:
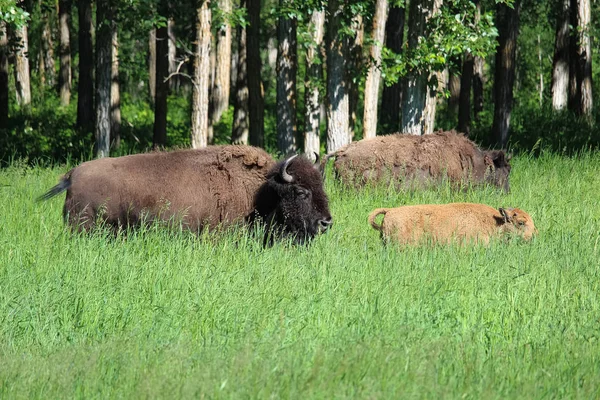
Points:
x=85, y=79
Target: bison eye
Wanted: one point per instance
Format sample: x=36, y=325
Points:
x=301, y=192
x=521, y=223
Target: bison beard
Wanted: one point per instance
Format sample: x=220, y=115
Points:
x=292, y=202
x=213, y=187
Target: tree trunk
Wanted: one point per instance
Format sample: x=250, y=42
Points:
x=239, y=134
x=560, y=63
x=464, y=104
x=174, y=80
x=573, y=95
x=417, y=105
x=508, y=29
x=338, y=121
x=312, y=95
x=584, y=59
x=201, y=71
x=85, y=88
x=162, y=86
x=64, y=78
x=431, y=102
x=374, y=73
x=353, y=70
x=152, y=65
x=115, y=93
x=22, y=77
x=541, y=71
x=286, y=84
x=103, y=76
x=478, y=78
x=255, y=88
x=47, y=52
x=391, y=96
x=3, y=75
x=220, y=90
x=454, y=82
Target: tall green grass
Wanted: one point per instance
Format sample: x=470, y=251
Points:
x=170, y=314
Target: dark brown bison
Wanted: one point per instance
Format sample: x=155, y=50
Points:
x=410, y=160
x=215, y=186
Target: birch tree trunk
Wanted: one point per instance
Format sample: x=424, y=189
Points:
x=286, y=83
x=239, y=134
x=584, y=58
x=22, y=76
x=560, y=63
x=417, y=105
x=85, y=87
x=152, y=65
x=174, y=80
x=255, y=87
x=392, y=95
x=115, y=93
x=312, y=95
x=338, y=121
x=220, y=90
x=3, y=75
x=353, y=69
x=374, y=73
x=64, y=77
x=159, y=138
x=103, y=76
x=508, y=28
x=201, y=72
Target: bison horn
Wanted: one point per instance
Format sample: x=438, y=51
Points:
x=283, y=171
x=317, y=158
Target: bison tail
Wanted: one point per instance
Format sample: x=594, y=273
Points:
x=374, y=215
x=63, y=185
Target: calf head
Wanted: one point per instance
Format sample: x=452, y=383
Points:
x=292, y=202
x=498, y=169
x=518, y=221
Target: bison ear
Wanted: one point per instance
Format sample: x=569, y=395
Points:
x=488, y=160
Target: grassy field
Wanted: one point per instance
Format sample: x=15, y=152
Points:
x=172, y=315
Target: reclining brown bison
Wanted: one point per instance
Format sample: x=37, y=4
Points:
x=409, y=161
x=442, y=223
x=215, y=186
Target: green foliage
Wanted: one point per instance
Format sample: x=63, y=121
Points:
x=12, y=14
x=161, y=314
x=453, y=31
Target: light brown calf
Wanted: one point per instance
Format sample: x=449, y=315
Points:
x=443, y=223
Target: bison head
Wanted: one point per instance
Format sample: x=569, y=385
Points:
x=517, y=220
x=292, y=201
x=498, y=169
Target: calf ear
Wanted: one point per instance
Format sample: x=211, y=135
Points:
x=504, y=214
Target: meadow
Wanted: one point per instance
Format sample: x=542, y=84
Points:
x=161, y=314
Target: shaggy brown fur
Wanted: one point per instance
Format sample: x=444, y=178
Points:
x=411, y=160
x=197, y=188
x=445, y=222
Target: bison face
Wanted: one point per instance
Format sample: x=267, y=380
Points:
x=498, y=169
x=292, y=201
